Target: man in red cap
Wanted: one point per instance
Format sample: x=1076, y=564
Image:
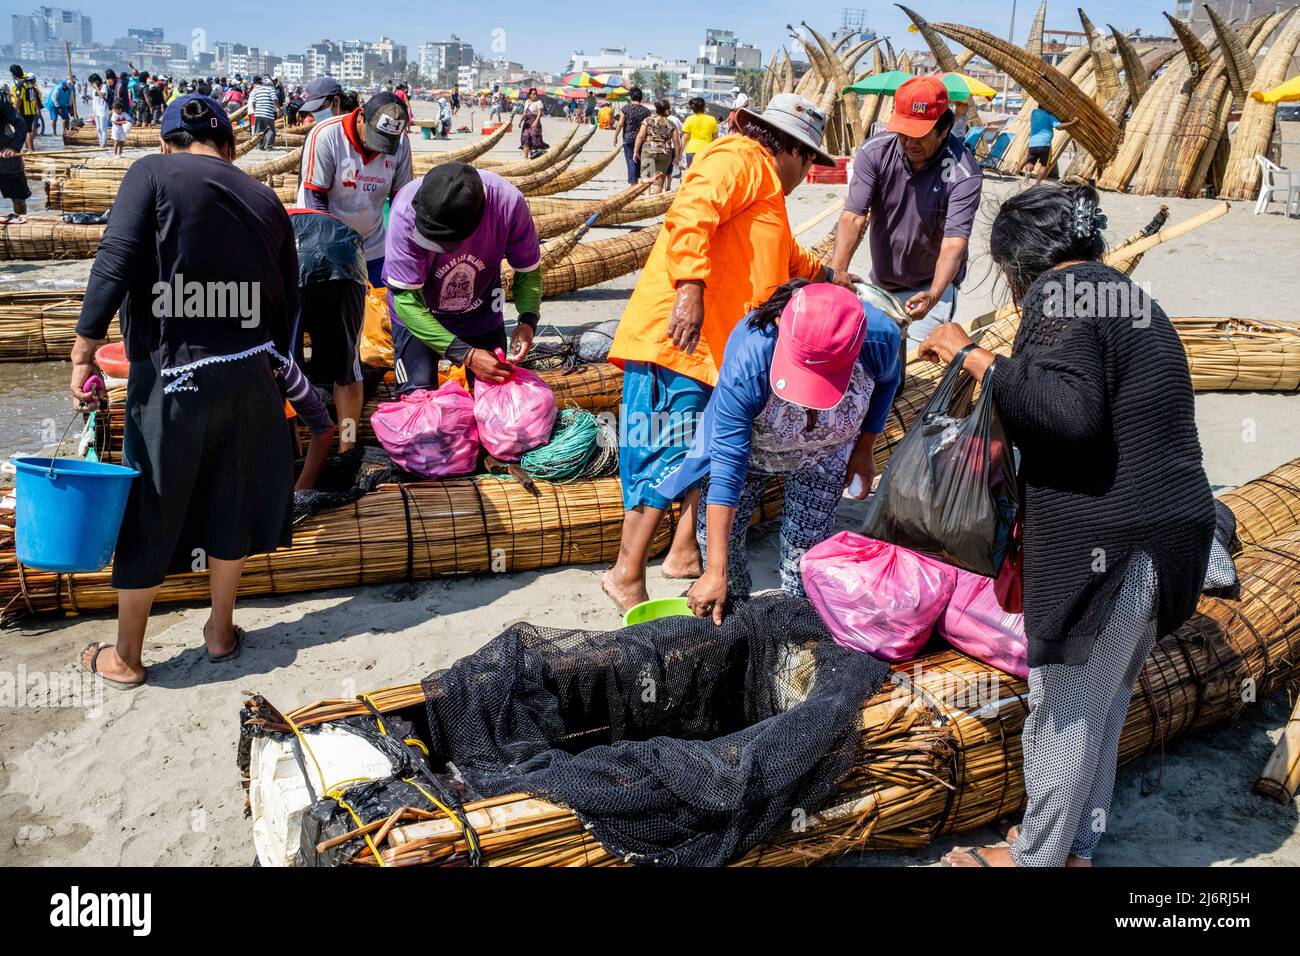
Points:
x=921, y=188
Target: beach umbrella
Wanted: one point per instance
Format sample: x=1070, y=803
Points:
x=884, y=84
x=962, y=87
x=608, y=79
x=583, y=79
x=1288, y=92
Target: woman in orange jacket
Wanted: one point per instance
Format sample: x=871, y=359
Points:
x=724, y=247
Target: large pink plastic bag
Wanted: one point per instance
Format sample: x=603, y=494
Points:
x=429, y=433
x=515, y=416
x=876, y=597
x=975, y=624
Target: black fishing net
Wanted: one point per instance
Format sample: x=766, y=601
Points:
x=675, y=741
x=346, y=477
x=585, y=345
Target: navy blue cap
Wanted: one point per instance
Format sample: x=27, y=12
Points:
x=173, y=122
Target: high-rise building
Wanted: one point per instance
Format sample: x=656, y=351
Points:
x=440, y=60
x=46, y=30
x=146, y=36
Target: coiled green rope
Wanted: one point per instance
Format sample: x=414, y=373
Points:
x=581, y=446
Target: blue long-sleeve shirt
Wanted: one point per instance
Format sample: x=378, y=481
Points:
x=721, y=445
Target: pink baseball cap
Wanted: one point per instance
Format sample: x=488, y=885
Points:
x=818, y=340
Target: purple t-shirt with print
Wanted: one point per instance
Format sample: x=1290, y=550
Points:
x=462, y=288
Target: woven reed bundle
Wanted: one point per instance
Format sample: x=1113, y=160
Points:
x=1258, y=119
x=526, y=166
x=940, y=749
x=1280, y=778
x=80, y=195
x=1241, y=355
x=407, y=532
x=48, y=237
x=943, y=58
x=1189, y=73
x=290, y=162
x=1034, y=45
x=1238, y=63
x=1103, y=64
x=40, y=326
x=1096, y=132
x=1018, y=151
x=576, y=176
x=421, y=163
x=136, y=136
x=643, y=207
x=531, y=182
x=557, y=223
x=287, y=194
x=591, y=263
x=46, y=165
x=1268, y=507
x=1084, y=166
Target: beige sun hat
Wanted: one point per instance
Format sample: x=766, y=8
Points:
x=796, y=117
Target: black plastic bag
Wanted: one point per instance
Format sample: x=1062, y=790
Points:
x=949, y=489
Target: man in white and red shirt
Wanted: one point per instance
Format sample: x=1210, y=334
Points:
x=352, y=164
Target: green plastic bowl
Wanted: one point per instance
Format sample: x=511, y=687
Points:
x=654, y=610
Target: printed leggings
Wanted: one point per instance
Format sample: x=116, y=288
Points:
x=812, y=495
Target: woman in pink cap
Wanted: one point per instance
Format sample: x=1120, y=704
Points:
x=805, y=386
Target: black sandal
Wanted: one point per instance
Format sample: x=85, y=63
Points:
x=94, y=667
x=234, y=652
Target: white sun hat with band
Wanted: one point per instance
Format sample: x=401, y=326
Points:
x=796, y=117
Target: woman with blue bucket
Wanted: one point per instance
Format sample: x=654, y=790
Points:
x=206, y=336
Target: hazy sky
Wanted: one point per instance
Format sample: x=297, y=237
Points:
x=541, y=35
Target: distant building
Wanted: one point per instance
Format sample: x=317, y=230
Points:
x=151, y=35
x=440, y=60
x=1192, y=12
x=43, y=32
x=293, y=69
x=713, y=74
x=387, y=50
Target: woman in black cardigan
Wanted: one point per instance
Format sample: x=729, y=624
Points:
x=1118, y=514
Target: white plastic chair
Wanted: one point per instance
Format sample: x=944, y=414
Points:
x=1274, y=181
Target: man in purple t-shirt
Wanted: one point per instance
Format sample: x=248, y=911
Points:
x=447, y=235
x=921, y=188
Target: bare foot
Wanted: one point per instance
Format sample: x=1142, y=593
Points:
x=624, y=595
x=219, y=643
x=682, y=570
x=1013, y=832
x=108, y=665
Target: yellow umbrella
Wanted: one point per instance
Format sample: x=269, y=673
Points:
x=1288, y=92
x=975, y=87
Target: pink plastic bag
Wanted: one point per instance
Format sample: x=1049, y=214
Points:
x=975, y=624
x=876, y=597
x=515, y=416
x=432, y=434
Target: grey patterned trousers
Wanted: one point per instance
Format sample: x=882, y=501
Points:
x=812, y=495
x=1071, y=736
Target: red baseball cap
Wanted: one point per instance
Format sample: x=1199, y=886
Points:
x=918, y=104
x=818, y=340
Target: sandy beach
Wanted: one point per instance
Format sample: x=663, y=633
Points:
x=148, y=777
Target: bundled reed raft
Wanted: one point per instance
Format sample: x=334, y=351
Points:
x=403, y=532
x=529, y=183
x=523, y=167
x=1259, y=119
x=1281, y=776
x=1096, y=132
x=80, y=195
x=644, y=207
x=422, y=162
x=1241, y=355
x=574, y=177
x=48, y=237
x=554, y=224
x=136, y=136
x=40, y=326
x=939, y=750
x=591, y=263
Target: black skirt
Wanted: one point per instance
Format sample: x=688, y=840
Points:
x=216, y=471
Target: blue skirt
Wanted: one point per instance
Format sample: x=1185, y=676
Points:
x=657, y=420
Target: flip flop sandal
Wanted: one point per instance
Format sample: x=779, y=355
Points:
x=975, y=854
x=94, y=668
x=234, y=652
x=13, y=219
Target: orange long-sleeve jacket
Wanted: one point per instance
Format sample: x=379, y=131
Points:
x=729, y=229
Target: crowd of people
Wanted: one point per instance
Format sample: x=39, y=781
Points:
x=746, y=359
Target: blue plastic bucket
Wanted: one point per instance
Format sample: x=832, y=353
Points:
x=67, y=520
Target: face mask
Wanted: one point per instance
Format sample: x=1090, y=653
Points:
x=322, y=114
